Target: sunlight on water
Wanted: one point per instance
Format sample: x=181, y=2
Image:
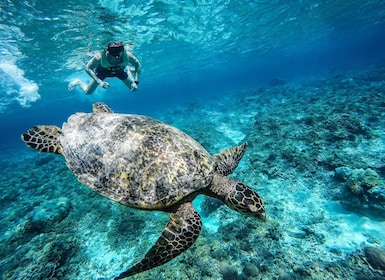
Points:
x=63, y=35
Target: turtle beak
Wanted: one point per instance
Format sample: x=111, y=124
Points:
x=258, y=213
x=262, y=216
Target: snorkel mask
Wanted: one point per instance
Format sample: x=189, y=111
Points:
x=115, y=49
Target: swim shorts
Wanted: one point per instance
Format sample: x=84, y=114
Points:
x=118, y=72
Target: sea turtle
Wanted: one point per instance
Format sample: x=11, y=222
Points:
x=143, y=163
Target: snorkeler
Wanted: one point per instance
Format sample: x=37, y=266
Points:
x=110, y=62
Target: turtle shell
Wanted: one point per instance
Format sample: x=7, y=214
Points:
x=135, y=160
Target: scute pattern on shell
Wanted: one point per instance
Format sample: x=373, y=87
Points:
x=135, y=160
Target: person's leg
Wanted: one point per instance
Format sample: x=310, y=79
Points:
x=90, y=88
x=73, y=84
x=87, y=89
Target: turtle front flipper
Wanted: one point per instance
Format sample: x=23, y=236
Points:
x=228, y=160
x=179, y=234
x=44, y=138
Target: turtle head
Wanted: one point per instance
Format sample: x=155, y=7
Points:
x=245, y=200
x=238, y=197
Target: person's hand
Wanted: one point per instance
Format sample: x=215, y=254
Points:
x=104, y=84
x=134, y=86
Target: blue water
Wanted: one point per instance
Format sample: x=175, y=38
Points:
x=213, y=69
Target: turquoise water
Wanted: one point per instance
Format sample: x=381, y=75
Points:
x=302, y=82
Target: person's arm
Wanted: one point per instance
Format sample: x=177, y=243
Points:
x=134, y=62
x=91, y=65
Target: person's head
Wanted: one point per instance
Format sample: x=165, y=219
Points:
x=115, y=49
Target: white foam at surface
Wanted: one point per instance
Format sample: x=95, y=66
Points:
x=15, y=86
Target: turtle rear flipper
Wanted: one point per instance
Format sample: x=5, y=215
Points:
x=44, y=138
x=228, y=160
x=179, y=234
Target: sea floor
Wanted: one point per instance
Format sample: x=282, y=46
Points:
x=316, y=154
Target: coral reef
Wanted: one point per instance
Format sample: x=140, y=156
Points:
x=364, y=188
x=45, y=217
x=315, y=154
x=210, y=205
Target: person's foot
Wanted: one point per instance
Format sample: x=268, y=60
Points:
x=73, y=84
